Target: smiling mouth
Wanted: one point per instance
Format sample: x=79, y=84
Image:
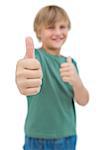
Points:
x=58, y=39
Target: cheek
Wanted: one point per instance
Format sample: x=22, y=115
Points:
x=43, y=37
x=65, y=34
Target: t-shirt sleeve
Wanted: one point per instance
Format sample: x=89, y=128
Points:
x=37, y=56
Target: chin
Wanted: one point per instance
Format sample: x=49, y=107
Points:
x=55, y=48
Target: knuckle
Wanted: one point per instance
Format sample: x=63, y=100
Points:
x=39, y=81
x=40, y=73
x=38, y=90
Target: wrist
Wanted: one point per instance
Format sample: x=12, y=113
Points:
x=77, y=83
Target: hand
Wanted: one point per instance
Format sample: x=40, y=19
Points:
x=29, y=71
x=68, y=72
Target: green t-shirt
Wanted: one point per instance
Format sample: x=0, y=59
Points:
x=51, y=113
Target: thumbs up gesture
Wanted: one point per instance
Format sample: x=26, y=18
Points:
x=68, y=72
x=29, y=71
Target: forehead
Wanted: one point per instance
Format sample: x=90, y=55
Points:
x=58, y=23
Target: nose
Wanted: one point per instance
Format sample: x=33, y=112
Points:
x=57, y=31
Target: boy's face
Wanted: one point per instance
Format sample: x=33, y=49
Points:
x=54, y=36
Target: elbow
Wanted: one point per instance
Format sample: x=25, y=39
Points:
x=84, y=101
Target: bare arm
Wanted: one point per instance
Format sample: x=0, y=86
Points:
x=69, y=74
x=80, y=92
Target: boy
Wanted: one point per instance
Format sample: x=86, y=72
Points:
x=51, y=83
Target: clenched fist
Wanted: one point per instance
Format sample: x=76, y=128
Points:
x=29, y=71
x=69, y=73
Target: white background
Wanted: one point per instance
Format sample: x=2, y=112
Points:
x=16, y=19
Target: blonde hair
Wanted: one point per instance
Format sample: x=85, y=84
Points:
x=49, y=15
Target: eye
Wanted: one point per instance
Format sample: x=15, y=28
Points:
x=62, y=27
x=50, y=27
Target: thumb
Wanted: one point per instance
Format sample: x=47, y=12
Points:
x=69, y=59
x=29, y=48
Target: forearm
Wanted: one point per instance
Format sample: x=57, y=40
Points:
x=81, y=93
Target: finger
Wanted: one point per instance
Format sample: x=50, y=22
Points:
x=65, y=74
x=30, y=64
x=64, y=69
x=63, y=65
x=29, y=48
x=69, y=59
x=66, y=79
x=31, y=91
x=32, y=83
x=30, y=74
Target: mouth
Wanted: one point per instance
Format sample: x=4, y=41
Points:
x=58, y=39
